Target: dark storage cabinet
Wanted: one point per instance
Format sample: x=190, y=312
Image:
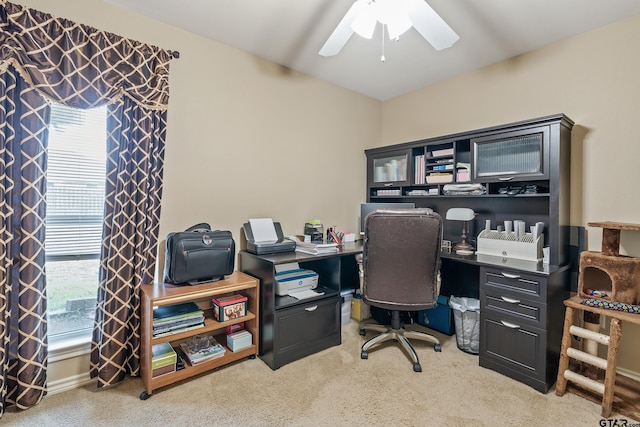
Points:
x=306, y=329
x=511, y=156
x=389, y=170
x=519, y=323
x=289, y=328
x=515, y=350
x=503, y=159
x=521, y=310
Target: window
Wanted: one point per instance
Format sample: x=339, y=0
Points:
x=75, y=209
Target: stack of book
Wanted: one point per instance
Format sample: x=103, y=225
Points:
x=201, y=349
x=172, y=319
x=316, y=248
x=163, y=359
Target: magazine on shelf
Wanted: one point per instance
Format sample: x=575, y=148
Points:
x=167, y=313
x=187, y=321
x=165, y=332
x=201, y=349
x=176, y=318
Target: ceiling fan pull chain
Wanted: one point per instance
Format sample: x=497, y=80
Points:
x=382, y=56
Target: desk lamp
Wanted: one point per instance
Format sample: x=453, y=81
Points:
x=465, y=215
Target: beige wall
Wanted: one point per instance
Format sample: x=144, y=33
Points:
x=592, y=78
x=247, y=138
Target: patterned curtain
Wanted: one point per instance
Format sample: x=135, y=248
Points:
x=135, y=153
x=23, y=326
x=82, y=67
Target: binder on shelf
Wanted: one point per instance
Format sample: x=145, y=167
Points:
x=419, y=169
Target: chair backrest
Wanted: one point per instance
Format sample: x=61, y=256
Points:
x=401, y=259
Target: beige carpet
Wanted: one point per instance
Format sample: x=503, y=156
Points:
x=331, y=388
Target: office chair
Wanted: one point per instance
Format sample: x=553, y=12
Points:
x=401, y=259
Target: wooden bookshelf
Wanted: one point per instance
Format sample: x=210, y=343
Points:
x=162, y=294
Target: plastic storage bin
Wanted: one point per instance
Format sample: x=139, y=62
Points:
x=466, y=316
x=439, y=318
x=347, y=296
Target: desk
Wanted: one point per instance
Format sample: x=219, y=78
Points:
x=521, y=310
x=289, y=328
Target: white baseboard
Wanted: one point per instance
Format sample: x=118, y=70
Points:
x=69, y=383
x=629, y=374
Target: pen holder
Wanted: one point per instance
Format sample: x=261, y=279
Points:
x=503, y=244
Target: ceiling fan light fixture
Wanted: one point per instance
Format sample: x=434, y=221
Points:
x=365, y=22
x=398, y=25
x=398, y=15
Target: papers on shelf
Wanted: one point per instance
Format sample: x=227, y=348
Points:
x=305, y=293
x=287, y=267
x=316, y=248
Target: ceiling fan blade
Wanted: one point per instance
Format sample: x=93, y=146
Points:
x=430, y=25
x=343, y=31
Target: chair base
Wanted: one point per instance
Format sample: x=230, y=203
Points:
x=400, y=333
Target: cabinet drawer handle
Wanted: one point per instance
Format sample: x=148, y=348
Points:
x=510, y=325
x=510, y=276
x=389, y=184
x=510, y=300
x=505, y=178
x=311, y=308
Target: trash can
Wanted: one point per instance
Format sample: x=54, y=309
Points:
x=466, y=318
x=347, y=296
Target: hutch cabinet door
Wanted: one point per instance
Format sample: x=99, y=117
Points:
x=517, y=155
x=389, y=169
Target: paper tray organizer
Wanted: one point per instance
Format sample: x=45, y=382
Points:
x=503, y=244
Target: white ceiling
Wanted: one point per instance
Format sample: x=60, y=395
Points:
x=291, y=32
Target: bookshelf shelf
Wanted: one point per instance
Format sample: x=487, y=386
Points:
x=162, y=294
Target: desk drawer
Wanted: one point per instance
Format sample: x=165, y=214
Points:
x=514, y=280
x=513, y=306
x=305, y=329
x=517, y=348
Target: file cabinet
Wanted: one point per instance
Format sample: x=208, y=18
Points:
x=289, y=328
x=520, y=323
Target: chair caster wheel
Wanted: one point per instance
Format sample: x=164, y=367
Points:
x=364, y=355
x=144, y=395
x=363, y=332
x=417, y=367
x=437, y=348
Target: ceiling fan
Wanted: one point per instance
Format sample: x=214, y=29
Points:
x=397, y=16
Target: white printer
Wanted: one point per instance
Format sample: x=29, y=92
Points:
x=291, y=278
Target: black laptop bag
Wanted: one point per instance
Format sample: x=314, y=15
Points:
x=198, y=255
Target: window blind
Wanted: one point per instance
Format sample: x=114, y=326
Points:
x=75, y=182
